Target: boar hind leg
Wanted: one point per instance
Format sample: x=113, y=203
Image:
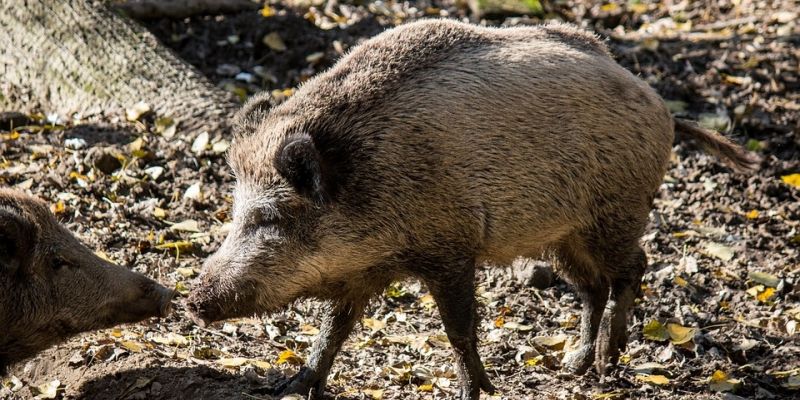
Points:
x=613, y=335
x=339, y=321
x=593, y=292
x=454, y=293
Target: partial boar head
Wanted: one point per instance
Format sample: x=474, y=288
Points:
x=52, y=287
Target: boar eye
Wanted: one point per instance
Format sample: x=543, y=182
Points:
x=261, y=219
x=59, y=263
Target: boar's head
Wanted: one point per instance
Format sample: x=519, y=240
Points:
x=290, y=237
x=52, y=287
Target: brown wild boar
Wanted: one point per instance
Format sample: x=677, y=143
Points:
x=53, y=287
x=431, y=148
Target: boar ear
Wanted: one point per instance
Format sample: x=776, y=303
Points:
x=299, y=162
x=14, y=240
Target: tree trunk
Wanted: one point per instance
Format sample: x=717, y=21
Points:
x=69, y=56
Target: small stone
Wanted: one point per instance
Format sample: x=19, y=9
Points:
x=228, y=69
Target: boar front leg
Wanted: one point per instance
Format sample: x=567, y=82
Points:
x=454, y=293
x=340, y=318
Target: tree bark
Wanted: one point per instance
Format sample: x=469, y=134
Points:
x=69, y=56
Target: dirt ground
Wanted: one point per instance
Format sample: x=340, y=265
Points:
x=720, y=309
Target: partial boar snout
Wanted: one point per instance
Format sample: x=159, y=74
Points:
x=165, y=297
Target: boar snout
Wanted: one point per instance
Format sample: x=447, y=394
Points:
x=214, y=301
x=156, y=301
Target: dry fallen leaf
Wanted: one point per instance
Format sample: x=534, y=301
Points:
x=655, y=379
x=137, y=110
x=720, y=251
x=764, y=278
x=374, y=394
x=288, y=356
x=267, y=11
x=680, y=334
x=720, y=382
x=133, y=347
x=189, y=225
x=47, y=390
x=552, y=342
x=793, y=179
x=655, y=330
x=374, y=325
x=274, y=42
x=235, y=362
x=171, y=339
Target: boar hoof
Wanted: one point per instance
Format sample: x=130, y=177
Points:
x=579, y=360
x=305, y=383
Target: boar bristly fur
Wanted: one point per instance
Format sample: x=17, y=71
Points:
x=52, y=287
x=430, y=149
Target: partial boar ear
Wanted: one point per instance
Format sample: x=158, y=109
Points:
x=299, y=162
x=14, y=240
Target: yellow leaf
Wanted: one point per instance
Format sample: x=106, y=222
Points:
x=182, y=288
x=766, y=295
x=610, y=395
x=680, y=334
x=267, y=11
x=181, y=245
x=681, y=282
x=655, y=379
x=309, y=330
x=610, y=7
x=534, y=361
x=427, y=300
x=288, y=356
x=235, y=362
x=116, y=332
x=752, y=214
x=273, y=41
x=132, y=346
x=374, y=394
x=654, y=330
x=374, y=325
x=425, y=388
x=58, y=208
x=159, y=213
x=720, y=382
x=262, y=365
x=793, y=179
x=186, y=272
x=171, y=339
x=499, y=321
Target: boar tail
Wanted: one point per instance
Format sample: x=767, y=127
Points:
x=718, y=145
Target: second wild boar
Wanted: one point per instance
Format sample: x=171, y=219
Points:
x=53, y=287
x=435, y=147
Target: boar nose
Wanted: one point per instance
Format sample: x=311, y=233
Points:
x=165, y=297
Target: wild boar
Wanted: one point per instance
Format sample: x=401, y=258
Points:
x=52, y=287
x=430, y=149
